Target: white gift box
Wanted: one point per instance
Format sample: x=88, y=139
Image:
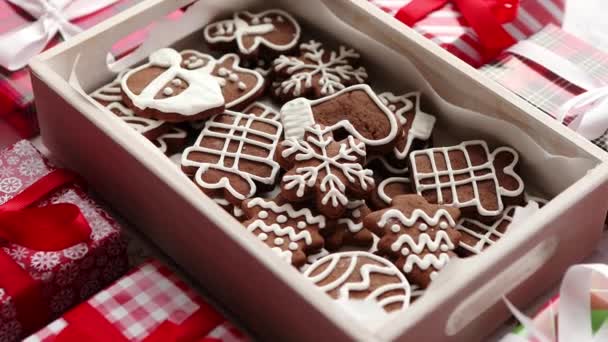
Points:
x=269, y=296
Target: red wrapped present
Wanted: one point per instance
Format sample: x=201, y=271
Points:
x=552, y=69
x=58, y=246
x=475, y=31
x=150, y=304
x=16, y=96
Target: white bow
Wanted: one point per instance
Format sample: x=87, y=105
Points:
x=592, y=123
x=574, y=313
x=17, y=47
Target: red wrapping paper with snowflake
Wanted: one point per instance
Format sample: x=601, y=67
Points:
x=64, y=277
x=475, y=31
x=150, y=304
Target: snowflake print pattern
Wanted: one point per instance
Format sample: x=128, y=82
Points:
x=100, y=228
x=31, y=167
x=5, y=198
x=89, y=289
x=325, y=169
x=17, y=253
x=10, y=185
x=316, y=72
x=45, y=261
x=76, y=252
x=12, y=160
x=10, y=331
x=62, y=301
x=67, y=274
x=6, y=171
x=24, y=148
x=114, y=269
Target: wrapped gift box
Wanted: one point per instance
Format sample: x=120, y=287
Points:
x=65, y=277
x=543, y=88
x=149, y=304
x=448, y=28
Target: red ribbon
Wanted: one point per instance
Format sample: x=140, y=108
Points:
x=85, y=323
x=50, y=228
x=485, y=17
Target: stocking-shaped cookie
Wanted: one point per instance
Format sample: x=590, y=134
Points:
x=316, y=72
x=420, y=237
x=240, y=86
x=110, y=96
x=234, y=154
x=388, y=189
x=363, y=283
x=468, y=177
x=355, y=111
x=292, y=233
x=261, y=35
x=166, y=90
x=416, y=125
x=349, y=230
x=329, y=171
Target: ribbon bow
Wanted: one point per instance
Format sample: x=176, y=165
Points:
x=17, y=47
x=50, y=228
x=574, y=315
x=591, y=123
x=485, y=17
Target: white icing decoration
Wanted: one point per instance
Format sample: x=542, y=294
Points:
x=382, y=187
x=267, y=111
x=287, y=209
x=263, y=236
x=237, y=28
x=280, y=19
x=267, y=20
x=174, y=134
x=331, y=186
x=168, y=91
x=279, y=241
x=301, y=225
x=177, y=82
x=417, y=214
x=356, y=213
x=423, y=226
x=293, y=246
x=242, y=86
x=263, y=214
x=471, y=175
x=223, y=72
x=233, y=77
x=203, y=92
x=332, y=73
x=443, y=225
x=112, y=94
x=484, y=240
x=395, y=228
x=378, y=295
x=312, y=258
x=281, y=219
x=299, y=113
x=353, y=208
x=284, y=232
x=240, y=123
x=197, y=63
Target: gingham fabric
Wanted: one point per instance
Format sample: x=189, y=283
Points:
x=138, y=303
x=449, y=29
x=16, y=96
x=540, y=86
x=225, y=333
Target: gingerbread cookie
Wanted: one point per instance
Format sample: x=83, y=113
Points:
x=262, y=35
x=477, y=236
x=167, y=88
x=240, y=86
x=419, y=236
x=329, y=171
x=233, y=154
x=468, y=177
x=292, y=233
x=110, y=97
x=355, y=111
x=388, y=189
x=349, y=230
x=416, y=125
x=171, y=142
x=354, y=278
x=234, y=210
x=263, y=111
x=316, y=72
x=312, y=258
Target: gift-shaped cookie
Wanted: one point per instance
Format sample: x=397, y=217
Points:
x=173, y=89
x=234, y=154
x=316, y=72
x=469, y=177
x=416, y=125
x=360, y=281
x=110, y=96
x=355, y=111
x=292, y=233
x=329, y=171
x=261, y=35
x=349, y=229
x=476, y=236
x=420, y=237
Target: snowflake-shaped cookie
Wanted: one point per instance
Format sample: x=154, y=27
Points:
x=292, y=233
x=328, y=170
x=316, y=72
x=420, y=237
x=349, y=230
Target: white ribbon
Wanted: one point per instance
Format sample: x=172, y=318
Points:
x=17, y=47
x=574, y=313
x=590, y=124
